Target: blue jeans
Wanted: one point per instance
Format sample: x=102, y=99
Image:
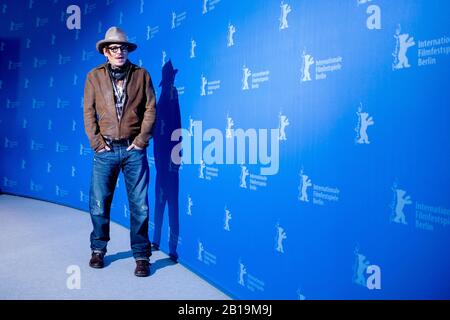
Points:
x=106, y=169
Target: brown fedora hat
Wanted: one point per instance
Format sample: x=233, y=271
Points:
x=115, y=35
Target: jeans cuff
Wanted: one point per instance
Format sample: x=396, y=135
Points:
x=142, y=258
x=99, y=251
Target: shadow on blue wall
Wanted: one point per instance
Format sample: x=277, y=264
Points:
x=10, y=65
x=168, y=119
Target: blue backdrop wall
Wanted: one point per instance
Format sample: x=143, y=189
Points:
x=348, y=196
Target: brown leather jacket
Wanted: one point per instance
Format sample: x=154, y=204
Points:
x=100, y=119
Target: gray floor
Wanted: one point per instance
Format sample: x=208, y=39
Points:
x=44, y=245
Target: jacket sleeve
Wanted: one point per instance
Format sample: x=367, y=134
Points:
x=91, y=126
x=148, y=121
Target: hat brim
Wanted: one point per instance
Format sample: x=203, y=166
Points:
x=103, y=43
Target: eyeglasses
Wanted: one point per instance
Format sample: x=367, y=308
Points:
x=115, y=49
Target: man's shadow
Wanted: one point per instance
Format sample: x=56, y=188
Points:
x=158, y=264
x=168, y=119
x=117, y=256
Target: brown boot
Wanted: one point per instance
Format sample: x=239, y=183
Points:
x=96, y=260
x=142, y=268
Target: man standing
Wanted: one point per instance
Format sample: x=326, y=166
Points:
x=119, y=113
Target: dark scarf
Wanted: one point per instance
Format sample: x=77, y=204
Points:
x=119, y=73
